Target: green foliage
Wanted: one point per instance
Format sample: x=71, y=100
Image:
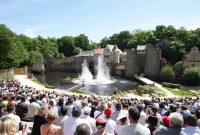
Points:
x=34, y=57
x=61, y=56
x=178, y=64
x=68, y=78
x=191, y=76
x=82, y=42
x=76, y=51
x=167, y=73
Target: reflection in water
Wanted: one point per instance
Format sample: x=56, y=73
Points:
x=56, y=79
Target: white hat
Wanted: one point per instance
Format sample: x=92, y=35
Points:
x=122, y=114
x=86, y=109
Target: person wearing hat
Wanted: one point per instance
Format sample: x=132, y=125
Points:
x=111, y=124
x=86, y=116
x=142, y=119
x=122, y=121
x=166, y=121
x=71, y=123
x=175, y=126
x=116, y=112
x=135, y=128
x=100, y=124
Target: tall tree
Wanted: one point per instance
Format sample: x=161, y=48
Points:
x=82, y=42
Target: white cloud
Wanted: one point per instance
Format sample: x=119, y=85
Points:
x=30, y=32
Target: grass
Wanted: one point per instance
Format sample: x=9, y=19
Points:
x=68, y=78
x=6, y=77
x=183, y=93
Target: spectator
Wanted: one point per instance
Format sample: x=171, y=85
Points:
x=50, y=128
x=2, y=111
x=142, y=119
x=166, y=121
x=71, y=123
x=110, y=124
x=86, y=116
x=191, y=126
x=82, y=129
x=135, y=128
x=152, y=123
x=11, y=113
x=116, y=112
x=100, y=124
x=9, y=127
x=98, y=113
x=39, y=120
x=22, y=108
x=33, y=107
x=60, y=121
x=176, y=123
x=122, y=121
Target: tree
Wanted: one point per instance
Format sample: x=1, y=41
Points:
x=123, y=39
x=167, y=73
x=103, y=42
x=191, y=76
x=66, y=45
x=92, y=45
x=82, y=42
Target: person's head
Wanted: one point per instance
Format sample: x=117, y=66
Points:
x=134, y=114
x=13, y=97
x=118, y=107
x=191, y=120
x=100, y=124
x=108, y=112
x=52, y=116
x=76, y=111
x=152, y=120
x=172, y=108
x=11, y=108
x=82, y=129
x=140, y=107
x=63, y=110
x=84, y=103
x=61, y=102
x=197, y=113
x=8, y=126
x=125, y=107
x=153, y=110
x=166, y=121
x=42, y=111
x=86, y=110
x=176, y=120
x=102, y=106
x=52, y=102
x=23, y=98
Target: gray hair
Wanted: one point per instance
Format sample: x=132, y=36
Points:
x=176, y=119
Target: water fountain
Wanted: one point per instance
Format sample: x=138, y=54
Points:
x=102, y=77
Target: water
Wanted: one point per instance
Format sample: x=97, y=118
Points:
x=56, y=79
x=102, y=77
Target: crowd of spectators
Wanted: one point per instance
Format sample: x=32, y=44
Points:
x=55, y=113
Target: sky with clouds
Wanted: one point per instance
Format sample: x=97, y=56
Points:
x=95, y=18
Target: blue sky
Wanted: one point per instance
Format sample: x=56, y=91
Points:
x=95, y=18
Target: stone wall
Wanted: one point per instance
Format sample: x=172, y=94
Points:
x=153, y=61
x=131, y=63
x=192, y=58
x=66, y=64
x=7, y=72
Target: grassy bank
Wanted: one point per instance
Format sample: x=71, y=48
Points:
x=182, y=93
x=34, y=79
x=6, y=77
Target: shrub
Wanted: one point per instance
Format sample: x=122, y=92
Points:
x=167, y=73
x=191, y=76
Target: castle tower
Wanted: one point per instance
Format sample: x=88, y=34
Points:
x=116, y=52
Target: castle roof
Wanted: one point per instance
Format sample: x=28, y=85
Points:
x=98, y=51
x=141, y=47
x=84, y=53
x=115, y=48
x=110, y=47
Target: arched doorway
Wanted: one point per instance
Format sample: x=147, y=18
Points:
x=141, y=69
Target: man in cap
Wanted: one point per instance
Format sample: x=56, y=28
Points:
x=116, y=112
x=86, y=116
x=71, y=123
x=100, y=124
x=111, y=124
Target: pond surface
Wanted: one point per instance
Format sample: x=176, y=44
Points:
x=56, y=79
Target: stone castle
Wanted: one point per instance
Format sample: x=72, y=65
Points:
x=144, y=59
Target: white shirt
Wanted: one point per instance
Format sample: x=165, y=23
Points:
x=190, y=130
x=110, y=126
x=69, y=110
x=13, y=116
x=71, y=123
x=32, y=109
x=91, y=121
x=118, y=129
x=142, y=119
x=96, y=113
x=60, y=122
x=135, y=129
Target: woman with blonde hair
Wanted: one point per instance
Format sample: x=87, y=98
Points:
x=49, y=128
x=8, y=126
x=39, y=120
